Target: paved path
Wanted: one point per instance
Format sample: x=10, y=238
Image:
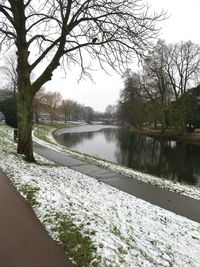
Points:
x=23, y=240
x=177, y=203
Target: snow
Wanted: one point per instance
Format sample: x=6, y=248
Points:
x=187, y=190
x=126, y=231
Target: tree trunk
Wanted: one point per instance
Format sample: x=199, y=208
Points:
x=51, y=118
x=155, y=123
x=24, y=113
x=36, y=117
x=163, y=117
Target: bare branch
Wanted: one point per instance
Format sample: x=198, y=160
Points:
x=6, y=14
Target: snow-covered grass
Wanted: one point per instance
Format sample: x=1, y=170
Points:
x=45, y=137
x=119, y=230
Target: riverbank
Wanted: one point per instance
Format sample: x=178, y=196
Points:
x=188, y=138
x=177, y=203
x=46, y=139
x=121, y=230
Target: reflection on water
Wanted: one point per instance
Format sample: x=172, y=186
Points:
x=169, y=159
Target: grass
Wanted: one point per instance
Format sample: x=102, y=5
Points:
x=30, y=194
x=43, y=129
x=42, y=132
x=78, y=246
x=59, y=124
x=100, y=162
x=77, y=242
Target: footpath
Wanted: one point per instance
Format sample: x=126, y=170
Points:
x=179, y=204
x=24, y=242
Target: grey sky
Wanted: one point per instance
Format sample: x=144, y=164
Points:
x=183, y=24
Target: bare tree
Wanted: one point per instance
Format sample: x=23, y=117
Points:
x=182, y=65
x=51, y=102
x=156, y=81
x=88, y=113
x=45, y=31
x=65, y=109
x=182, y=68
x=110, y=109
x=38, y=105
x=71, y=109
x=161, y=88
x=132, y=104
x=9, y=73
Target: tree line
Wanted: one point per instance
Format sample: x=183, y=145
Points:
x=54, y=107
x=165, y=92
x=49, y=106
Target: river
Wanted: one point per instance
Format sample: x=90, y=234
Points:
x=171, y=160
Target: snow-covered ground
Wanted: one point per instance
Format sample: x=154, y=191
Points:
x=187, y=190
x=126, y=231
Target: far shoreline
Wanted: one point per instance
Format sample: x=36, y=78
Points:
x=172, y=135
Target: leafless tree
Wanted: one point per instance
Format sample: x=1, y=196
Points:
x=51, y=102
x=132, y=103
x=65, y=108
x=9, y=73
x=71, y=109
x=110, y=110
x=43, y=32
x=38, y=106
x=156, y=81
x=183, y=65
x=168, y=71
x=182, y=68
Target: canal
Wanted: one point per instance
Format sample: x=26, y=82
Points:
x=171, y=160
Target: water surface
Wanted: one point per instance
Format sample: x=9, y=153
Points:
x=171, y=160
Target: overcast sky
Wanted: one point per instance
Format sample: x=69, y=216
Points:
x=183, y=24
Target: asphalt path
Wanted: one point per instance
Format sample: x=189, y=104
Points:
x=177, y=203
x=24, y=242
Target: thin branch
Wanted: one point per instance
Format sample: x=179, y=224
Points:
x=6, y=14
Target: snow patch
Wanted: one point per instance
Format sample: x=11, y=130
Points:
x=126, y=231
